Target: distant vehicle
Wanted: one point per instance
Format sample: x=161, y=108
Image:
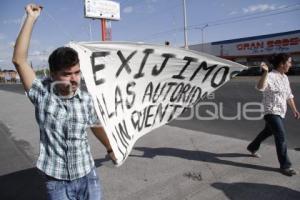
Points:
x=257, y=71
x=251, y=71
x=294, y=71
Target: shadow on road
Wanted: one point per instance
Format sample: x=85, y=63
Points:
x=26, y=185
x=201, y=156
x=15, y=88
x=250, y=191
x=100, y=162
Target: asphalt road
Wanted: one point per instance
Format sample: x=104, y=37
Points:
x=235, y=100
x=189, y=159
x=228, y=112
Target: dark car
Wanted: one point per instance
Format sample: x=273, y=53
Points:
x=251, y=71
x=294, y=71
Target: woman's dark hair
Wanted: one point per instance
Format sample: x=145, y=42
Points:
x=61, y=58
x=278, y=59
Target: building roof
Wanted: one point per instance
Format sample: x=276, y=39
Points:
x=9, y=70
x=255, y=37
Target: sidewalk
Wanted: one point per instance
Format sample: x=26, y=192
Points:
x=169, y=163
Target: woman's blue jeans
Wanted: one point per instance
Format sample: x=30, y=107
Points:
x=85, y=188
x=273, y=126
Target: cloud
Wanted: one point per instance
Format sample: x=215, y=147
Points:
x=233, y=13
x=37, y=56
x=12, y=21
x=146, y=7
x=258, y=8
x=35, y=42
x=150, y=6
x=5, y=50
x=2, y=36
x=36, y=53
x=5, y=56
x=151, y=1
x=282, y=6
x=269, y=24
x=12, y=44
x=128, y=9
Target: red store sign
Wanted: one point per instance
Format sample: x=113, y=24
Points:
x=285, y=42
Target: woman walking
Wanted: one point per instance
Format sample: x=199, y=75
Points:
x=276, y=95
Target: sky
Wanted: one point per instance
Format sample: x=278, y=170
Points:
x=149, y=21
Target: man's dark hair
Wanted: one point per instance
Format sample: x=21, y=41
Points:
x=278, y=59
x=61, y=58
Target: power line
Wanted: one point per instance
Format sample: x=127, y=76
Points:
x=255, y=17
x=223, y=21
x=211, y=23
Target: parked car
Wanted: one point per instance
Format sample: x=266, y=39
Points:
x=294, y=71
x=251, y=71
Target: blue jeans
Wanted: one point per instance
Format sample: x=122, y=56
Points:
x=85, y=188
x=273, y=126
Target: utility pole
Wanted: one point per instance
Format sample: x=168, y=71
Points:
x=185, y=26
x=103, y=28
x=202, y=34
x=90, y=28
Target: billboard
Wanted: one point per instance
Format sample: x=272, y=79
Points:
x=102, y=9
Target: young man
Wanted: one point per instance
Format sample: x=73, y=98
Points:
x=63, y=112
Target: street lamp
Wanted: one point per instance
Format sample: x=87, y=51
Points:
x=185, y=25
x=202, y=34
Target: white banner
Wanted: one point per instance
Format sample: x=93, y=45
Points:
x=137, y=87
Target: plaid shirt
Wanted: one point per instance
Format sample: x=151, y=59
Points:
x=64, y=149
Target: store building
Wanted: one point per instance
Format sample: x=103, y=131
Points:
x=250, y=51
x=9, y=76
